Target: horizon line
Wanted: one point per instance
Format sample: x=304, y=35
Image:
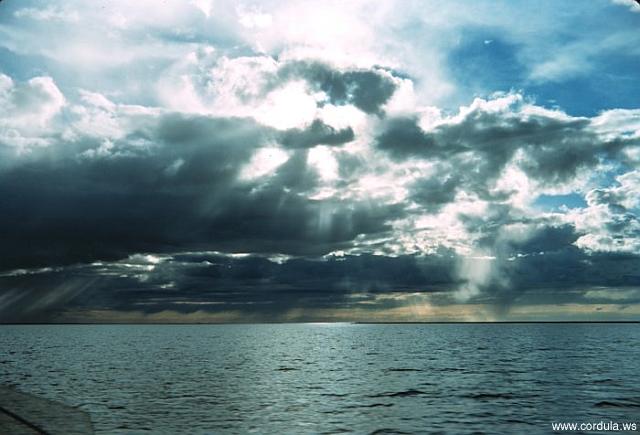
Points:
x=453, y=322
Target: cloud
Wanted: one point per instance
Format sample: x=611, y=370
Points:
x=489, y=138
x=46, y=14
x=631, y=4
x=156, y=181
x=504, y=153
x=271, y=287
x=283, y=94
x=254, y=18
x=368, y=90
x=204, y=157
x=317, y=133
x=30, y=108
x=168, y=180
x=611, y=222
x=216, y=282
x=436, y=191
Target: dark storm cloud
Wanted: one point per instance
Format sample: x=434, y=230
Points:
x=496, y=136
x=571, y=267
x=554, y=148
x=403, y=138
x=37, y=297
x=488, y=225
x=544, y=266
x=67, y=208
x=213, y=282
x=619, y=217
x=171, y=184
x=507, y=232
x=545, y=239
x=318, y=133
x=471, y=153
x=367, y=89
x=435, y=191
x=86, y=208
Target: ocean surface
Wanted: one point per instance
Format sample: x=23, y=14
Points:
x=330, y=378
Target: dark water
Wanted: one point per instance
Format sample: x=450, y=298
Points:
x=305, y=378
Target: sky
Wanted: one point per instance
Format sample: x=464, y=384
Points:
x=277, y=161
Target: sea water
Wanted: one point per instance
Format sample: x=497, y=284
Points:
x=330, y=378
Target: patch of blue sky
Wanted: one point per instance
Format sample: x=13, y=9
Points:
x=559, y=202
x=22, y=67
x=483, y=62
x=614, y=85
x=597, y=62
x=609, y=178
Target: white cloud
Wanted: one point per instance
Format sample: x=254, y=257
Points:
x=611, y=222
x=253, y=17
x=29, y=109
x=205, y=6
x=288, y=107
x=323, y=160
x=617, y=123
x=97, y=116
x=263, y=163
x=631, y=4
x=49, y=13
